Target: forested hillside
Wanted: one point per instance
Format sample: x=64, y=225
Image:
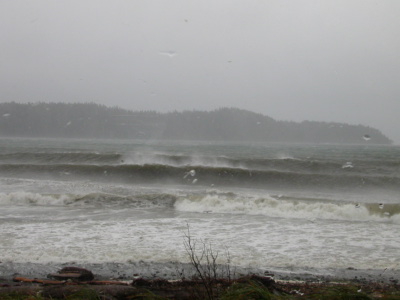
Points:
x=90, y=120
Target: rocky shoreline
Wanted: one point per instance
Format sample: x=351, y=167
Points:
x=176, y=280
x=177, y=271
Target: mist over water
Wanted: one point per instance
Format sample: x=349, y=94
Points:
x=271, y=205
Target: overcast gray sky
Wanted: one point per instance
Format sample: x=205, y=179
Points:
x=297, y=60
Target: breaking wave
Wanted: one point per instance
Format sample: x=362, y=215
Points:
x=289, y=208
x=206, y=176
x=88, y=200
x=281, y=163
x=217, y=202
x=60, y=158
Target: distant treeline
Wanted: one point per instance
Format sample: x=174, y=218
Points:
x=90, y=120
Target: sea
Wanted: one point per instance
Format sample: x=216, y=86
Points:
x=265, y=206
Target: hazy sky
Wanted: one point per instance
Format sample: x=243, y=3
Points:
x=333, y=60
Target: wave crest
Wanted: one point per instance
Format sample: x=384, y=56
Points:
x=87, y=200
x=277, y=207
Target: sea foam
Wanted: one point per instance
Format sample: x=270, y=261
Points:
x=24, y=198
x=275, y=207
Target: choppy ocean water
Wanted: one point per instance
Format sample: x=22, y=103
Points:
x=270, y=205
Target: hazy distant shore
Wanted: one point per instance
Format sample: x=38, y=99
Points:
x=90, y=120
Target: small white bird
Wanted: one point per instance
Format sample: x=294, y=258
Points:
x=366, y=137
x=348, y=164
x=191, y=173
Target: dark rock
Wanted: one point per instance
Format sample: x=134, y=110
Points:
x=161, y=283
x=73, y=273
x=155, y=283
x=264, y=280
x=141, y=282
x=90, y=292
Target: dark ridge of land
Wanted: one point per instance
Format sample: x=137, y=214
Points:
x=90, y=120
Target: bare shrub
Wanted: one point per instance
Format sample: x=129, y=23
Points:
x=203, y=258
